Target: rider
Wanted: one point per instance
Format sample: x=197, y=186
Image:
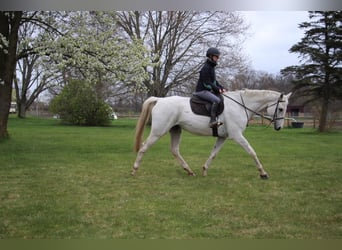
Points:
x=207, y=87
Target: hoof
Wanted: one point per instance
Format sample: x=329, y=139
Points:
x=264, y=176
x=133, y=172
x=204, y=171
x=191, y=174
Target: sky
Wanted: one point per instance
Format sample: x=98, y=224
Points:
x=272, y=34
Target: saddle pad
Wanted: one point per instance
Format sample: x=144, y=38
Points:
x=202, y=107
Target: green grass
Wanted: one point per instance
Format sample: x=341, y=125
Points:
x=59, y=182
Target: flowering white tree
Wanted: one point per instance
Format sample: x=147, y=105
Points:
x=90, y=49
x=83, y=45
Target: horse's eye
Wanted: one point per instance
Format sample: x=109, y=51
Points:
x=281, y=110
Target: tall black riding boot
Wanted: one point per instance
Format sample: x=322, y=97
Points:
x=213, y=122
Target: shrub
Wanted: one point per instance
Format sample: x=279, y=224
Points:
x=78, y=104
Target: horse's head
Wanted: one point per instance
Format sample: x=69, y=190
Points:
x=278, y=110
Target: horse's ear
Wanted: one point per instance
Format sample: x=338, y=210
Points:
x=288, y=95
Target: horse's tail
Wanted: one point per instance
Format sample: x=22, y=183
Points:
x=144, y=117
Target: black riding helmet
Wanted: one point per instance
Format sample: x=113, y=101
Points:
x=212, y=52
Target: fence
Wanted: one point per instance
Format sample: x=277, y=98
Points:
x=307, y=122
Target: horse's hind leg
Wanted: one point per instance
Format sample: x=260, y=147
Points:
x=151, y=139
x=218, y=145
x=175, y=133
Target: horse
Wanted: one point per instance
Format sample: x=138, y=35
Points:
x=172, y=114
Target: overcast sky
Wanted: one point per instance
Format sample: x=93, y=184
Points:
x=272, y=33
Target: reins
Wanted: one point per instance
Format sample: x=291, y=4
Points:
x=274, y=118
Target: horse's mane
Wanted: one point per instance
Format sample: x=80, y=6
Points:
x=257, y=91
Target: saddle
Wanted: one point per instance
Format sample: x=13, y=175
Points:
x=202, y=107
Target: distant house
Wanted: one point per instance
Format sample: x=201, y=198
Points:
x=296, y=107
x=13, y=108
x=295, y=110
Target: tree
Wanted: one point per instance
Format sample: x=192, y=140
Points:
x=91, y=50
x=78, y=104
x=320, y=76
x=10, y=53
x=9, y=26
x=33, y=74
x=177, y=41
x=72, y=50
x=252, y=79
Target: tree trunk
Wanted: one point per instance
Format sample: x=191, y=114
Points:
x=22, y=109
x=5, y=102
x=9, y=26
x=323, y=116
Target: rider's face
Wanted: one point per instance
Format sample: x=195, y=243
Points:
x=215, y=58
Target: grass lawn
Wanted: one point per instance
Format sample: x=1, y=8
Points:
x=60, y=182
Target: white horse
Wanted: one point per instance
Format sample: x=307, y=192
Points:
x=171, y=114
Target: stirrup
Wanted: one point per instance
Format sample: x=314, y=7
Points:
x=215, y=124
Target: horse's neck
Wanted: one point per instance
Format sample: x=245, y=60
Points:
x=258, y=99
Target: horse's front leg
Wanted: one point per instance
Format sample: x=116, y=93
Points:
x=242, y=141
x=218, y=145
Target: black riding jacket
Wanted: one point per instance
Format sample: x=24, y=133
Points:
x=207, y=78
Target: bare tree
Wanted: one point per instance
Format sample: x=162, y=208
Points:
x=177, y=41
x=252, y=79
x=34, y=73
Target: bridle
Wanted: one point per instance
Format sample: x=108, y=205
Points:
x=274, y=117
